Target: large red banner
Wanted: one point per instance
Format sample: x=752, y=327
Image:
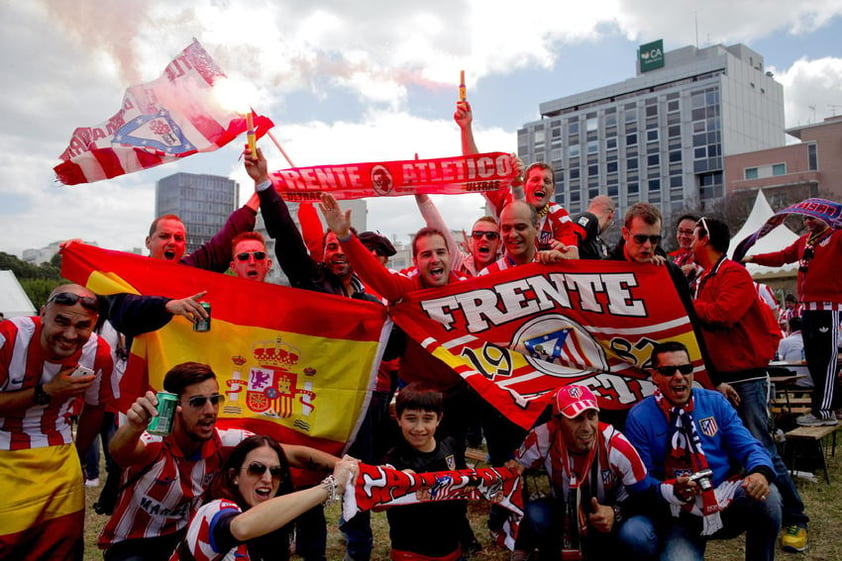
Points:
x=518, y=335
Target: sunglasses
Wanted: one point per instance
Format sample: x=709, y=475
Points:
x=71, y=299
x=641, y=239
x=669, y=371
x=490, y=236
x=258, y=255
x=198, y=401
x=704, y=226
x=257, y=469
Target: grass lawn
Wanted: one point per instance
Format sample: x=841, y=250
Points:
x=823, y=501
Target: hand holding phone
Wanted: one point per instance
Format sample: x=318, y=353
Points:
x=81, y=371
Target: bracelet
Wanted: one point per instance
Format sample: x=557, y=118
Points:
x=330, y=485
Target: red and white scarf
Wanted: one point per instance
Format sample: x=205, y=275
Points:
x=685, y=457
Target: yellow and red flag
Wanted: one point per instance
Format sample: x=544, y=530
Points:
x=295, y=364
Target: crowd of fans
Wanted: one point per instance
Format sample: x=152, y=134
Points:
x=683, y=466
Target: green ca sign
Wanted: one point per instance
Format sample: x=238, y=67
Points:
x=651, y=55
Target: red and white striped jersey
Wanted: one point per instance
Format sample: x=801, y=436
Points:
x=23, y=364
x=202, y=526
x=500, y=265
x=619, y=463
x=162, y=500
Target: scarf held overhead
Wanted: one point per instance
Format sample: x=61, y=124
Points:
x=518, y=335
x=461, y=174
x=827, y=211
x=158, y=122
x=286, y=359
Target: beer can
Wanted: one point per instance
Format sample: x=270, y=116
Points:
x=203, y=324
x=163, y=424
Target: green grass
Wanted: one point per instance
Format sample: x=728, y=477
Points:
x=823, y=502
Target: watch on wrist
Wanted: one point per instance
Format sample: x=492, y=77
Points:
x=41, y=397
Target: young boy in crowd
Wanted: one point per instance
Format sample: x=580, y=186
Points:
x=419, y=412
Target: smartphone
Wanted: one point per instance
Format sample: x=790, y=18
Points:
x=81, y=371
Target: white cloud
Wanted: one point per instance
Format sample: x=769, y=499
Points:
x=812, y=90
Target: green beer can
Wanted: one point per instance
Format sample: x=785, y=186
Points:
x=203, y=324
x=162, y=424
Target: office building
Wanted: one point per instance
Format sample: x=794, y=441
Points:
x=203, y=202
x=661, y=136
x=788, y=174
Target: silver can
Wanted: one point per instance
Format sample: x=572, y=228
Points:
x=203, y=324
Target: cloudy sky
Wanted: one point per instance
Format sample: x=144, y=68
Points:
x=349, y=82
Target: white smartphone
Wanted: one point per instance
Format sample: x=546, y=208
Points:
x=81, y=371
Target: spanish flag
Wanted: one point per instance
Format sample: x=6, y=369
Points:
x=295, y=364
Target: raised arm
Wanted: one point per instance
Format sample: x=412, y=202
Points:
x=433, y=219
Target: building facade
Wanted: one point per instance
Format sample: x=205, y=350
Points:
x=661, y=136
x=811, y=168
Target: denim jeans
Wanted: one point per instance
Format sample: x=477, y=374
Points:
x=679, y=539
x=540, y=527
x=754, y=397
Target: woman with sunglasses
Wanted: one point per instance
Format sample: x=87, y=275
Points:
x=250, y=505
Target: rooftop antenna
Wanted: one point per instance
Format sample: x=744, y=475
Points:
x=813, y=109
x=696, y=21
x=833, y=109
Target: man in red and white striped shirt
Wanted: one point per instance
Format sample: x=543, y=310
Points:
x=42, y=511
x=164, y=477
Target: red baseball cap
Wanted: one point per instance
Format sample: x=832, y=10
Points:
x=572, y=400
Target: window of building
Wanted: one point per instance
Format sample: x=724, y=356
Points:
x=652, y=111
x=631, y=163
x=593, y=147
x=675, y=156
x=652, y=135
x=778, y=169
x=573, y=150
x=611, y=167
x=573, y=173
x=750, y=173
x=812, y=157
x=674, y=131
x=631, y=139
x=593, y=170
x=672, y=106
x=610, y=120
x=633, y=187
x=592, y=124
x=610, y=144
x=573, y=126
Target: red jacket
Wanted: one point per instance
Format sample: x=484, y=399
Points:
x=739, y=330
x=822, y=282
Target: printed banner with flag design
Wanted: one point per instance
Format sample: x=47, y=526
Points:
x=158, y=122
x=519, y=334
x=379, y=487
x=461, y=174
x=295, y=364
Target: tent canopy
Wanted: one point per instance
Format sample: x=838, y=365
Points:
x=13, y=300
x=775, y=240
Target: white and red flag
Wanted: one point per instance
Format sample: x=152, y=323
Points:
x=158, y=122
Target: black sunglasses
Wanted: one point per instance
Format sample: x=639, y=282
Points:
x=490, y=236
x=669, y=371
x=198, y=401
x=71, y=299
x=640, y=239
x=257, y=469
x=258, y=255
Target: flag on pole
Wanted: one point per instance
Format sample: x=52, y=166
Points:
x=158, y=122
x=518, y=335
x=293, y=364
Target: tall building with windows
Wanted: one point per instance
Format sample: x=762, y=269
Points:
x=203, y=202
x=661, y=136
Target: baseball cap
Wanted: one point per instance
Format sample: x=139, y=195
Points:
x=378, y=241
x=571, y=400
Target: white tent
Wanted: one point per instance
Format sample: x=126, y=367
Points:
x=775, y=240
x=13, y=300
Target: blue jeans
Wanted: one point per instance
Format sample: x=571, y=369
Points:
x=679, y=539
x=754, y=397
x=541, y=524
